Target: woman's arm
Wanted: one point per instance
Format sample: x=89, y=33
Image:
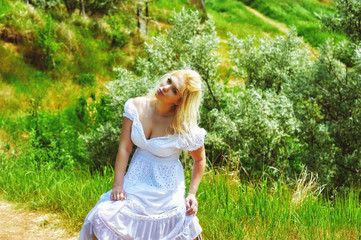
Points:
x=199, y=158
x=125, y=148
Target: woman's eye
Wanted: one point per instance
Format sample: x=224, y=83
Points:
x=174, y=90
x=169, y=80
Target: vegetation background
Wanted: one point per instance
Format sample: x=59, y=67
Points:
x=282, y=106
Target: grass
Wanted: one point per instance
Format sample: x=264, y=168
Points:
x=228, y=15
x=83, y=47
x=301, y=14
x=229, y=209
x=232, y=16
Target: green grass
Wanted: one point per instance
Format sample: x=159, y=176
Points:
x=229, y=209
x=301, y=14
x=232, y=16
x=228, y=15
x=4, y=8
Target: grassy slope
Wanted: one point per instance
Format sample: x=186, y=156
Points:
x=301, y=14
x=85, y=48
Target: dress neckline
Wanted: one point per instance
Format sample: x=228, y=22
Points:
x=141, y=126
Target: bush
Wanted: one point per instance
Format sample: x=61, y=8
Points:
x=54, y=138
x=325, y=98
x=86, y=79
x=347, y=19
x=327, y=101
x=255, y=130
x=269, y=64
x=247, y=124
x=118, y=33
x=45, y=4
x=46, y=42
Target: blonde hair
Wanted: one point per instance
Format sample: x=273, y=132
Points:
x=187, y=112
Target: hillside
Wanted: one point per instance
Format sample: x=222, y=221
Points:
x=58, y=56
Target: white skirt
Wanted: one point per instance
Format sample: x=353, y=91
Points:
x=146, y=214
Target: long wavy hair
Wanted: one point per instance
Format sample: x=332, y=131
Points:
x=187, y=112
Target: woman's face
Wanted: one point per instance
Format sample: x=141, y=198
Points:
x=171, y=90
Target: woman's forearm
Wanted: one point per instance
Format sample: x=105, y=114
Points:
x=120, y=167
x=197, y=173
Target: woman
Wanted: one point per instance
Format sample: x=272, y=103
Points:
x=148, y=202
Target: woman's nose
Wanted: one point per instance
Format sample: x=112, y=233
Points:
x=166, y=88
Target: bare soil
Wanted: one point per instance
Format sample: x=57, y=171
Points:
x=17, y=223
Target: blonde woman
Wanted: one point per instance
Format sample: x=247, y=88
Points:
x=149, y=203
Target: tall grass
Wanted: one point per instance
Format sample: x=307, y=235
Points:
x=271, y=210
x=229, y=209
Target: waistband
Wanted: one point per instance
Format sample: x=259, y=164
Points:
x=148, y=155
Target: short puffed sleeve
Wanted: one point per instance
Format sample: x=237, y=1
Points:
x=192, y=141
x=129, y=110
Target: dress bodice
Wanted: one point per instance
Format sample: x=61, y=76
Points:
x=165, y=146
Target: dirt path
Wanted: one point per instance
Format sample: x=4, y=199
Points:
x=19, y=224
x=281, y=26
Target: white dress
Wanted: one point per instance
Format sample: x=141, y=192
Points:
x=155, y=187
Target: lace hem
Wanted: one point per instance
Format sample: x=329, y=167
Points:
x=169, y=229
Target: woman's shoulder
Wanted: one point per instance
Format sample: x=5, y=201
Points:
x=134, y=106
x=140, y=103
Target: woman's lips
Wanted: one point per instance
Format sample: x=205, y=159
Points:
x=160, y=92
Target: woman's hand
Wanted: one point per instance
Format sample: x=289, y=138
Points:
x=191, y=205
x=118, y=194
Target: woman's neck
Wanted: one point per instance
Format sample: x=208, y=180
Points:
x=164, y=109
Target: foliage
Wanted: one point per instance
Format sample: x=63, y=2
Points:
x=45, y=4
x=92, y=6
x=189, y=44
x=269, y=64
x=327, y=101
x=118, y=33
x=324, y=94
x=86, y=79
x=101, y=6
x=254, y=130
x=347, y=19
x=54, y=138
x=47, y=43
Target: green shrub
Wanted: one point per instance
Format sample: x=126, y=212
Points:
x=347, y=19
x=269, y=64
x=45, y=4
x=325, y=98
x=327, y=102
x=46, y=42
x=255, y=130
x=86, y=79
x=54, y=138
x=118, y=32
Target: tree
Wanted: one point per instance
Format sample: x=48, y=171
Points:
x=327, y=102
x=200, y=5
x=347, y=19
